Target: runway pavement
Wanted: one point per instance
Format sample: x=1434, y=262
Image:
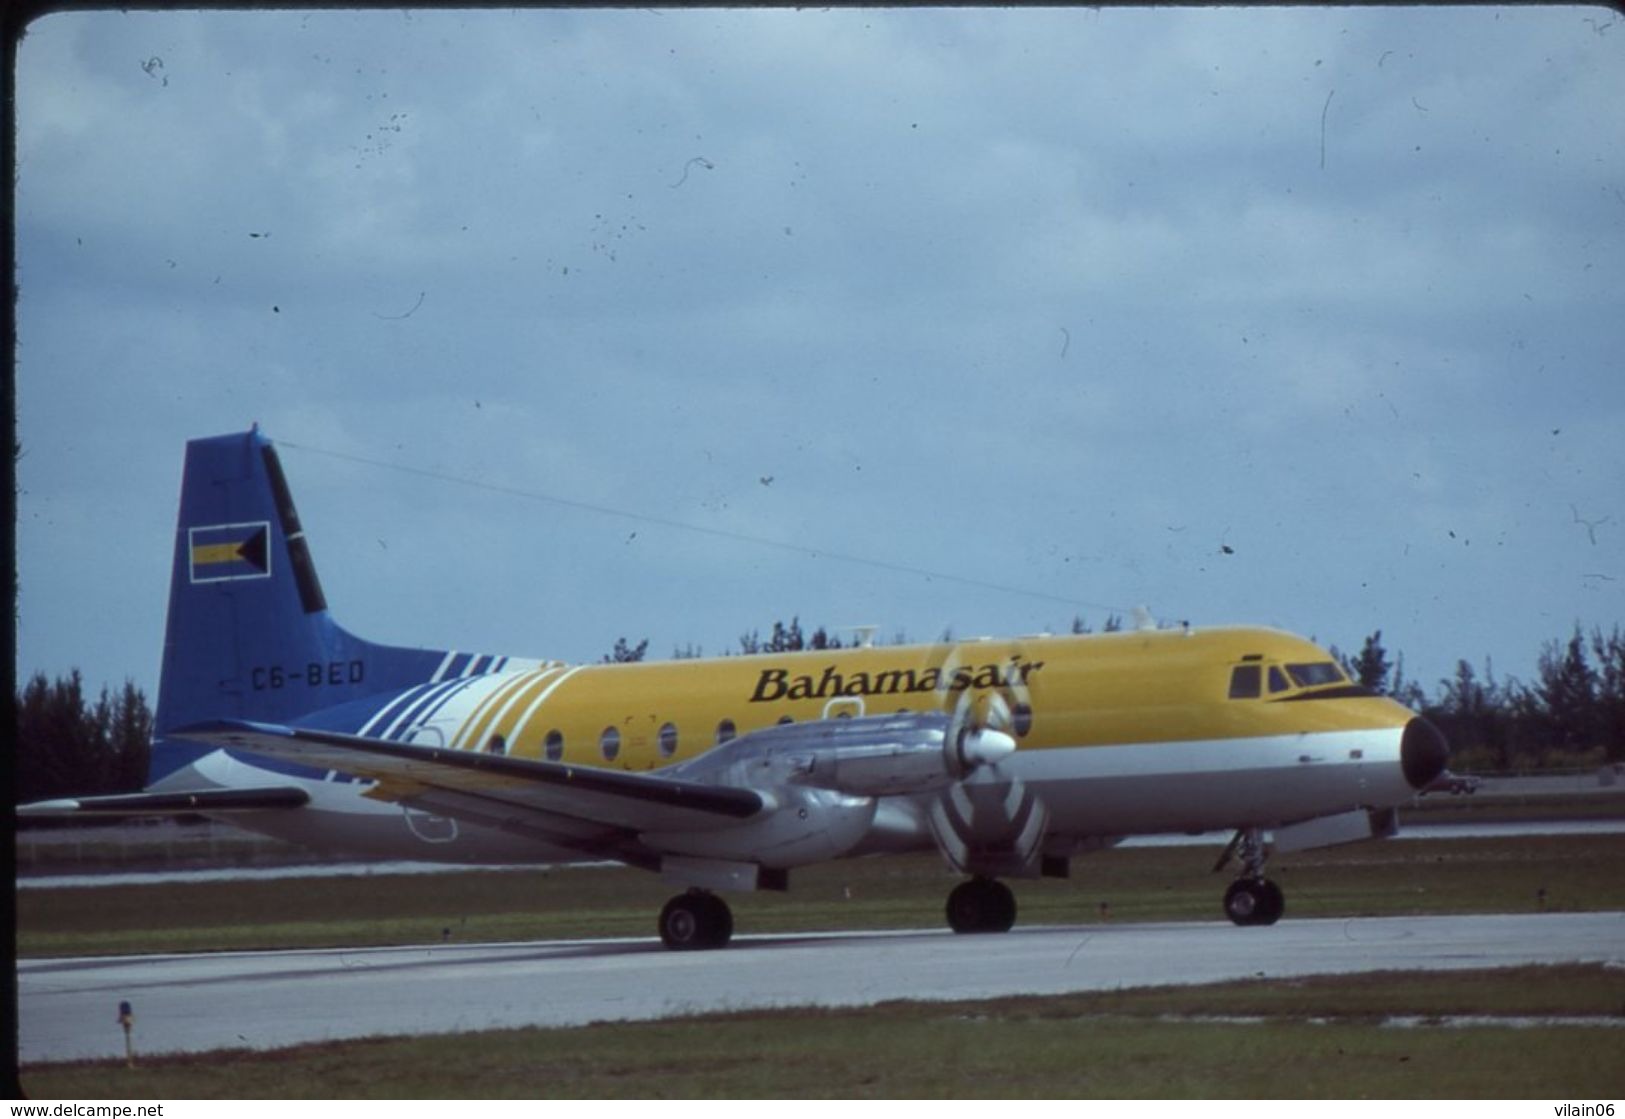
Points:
x=68, y=1008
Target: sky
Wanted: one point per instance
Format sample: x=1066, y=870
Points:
x=576, y=325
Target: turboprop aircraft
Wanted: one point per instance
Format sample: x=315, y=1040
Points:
x=1008, y=757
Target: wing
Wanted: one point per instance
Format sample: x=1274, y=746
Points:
x=166, y=804
x=592, y=810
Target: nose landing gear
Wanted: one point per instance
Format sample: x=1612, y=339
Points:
x=1251, y=899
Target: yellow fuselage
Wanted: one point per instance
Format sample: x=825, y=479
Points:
x=1113, y=689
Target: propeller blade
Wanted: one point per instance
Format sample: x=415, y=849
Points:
x=998, y=712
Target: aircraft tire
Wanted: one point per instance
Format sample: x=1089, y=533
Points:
x=1274, y=903
x=696, y=920
x=982, y=905
x=722, y=922
x=1254, y=901
x=1241, y=901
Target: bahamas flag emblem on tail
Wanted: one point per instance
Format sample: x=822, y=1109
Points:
x=223, y=552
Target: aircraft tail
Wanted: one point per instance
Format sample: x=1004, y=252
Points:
x=249, y=635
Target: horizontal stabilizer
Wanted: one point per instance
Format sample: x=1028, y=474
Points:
x=165, y=804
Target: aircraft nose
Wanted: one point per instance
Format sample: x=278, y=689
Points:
x=1423, y=752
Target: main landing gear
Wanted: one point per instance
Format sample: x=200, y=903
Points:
x=1251, y=899
x=982, y=905
x=697, y=919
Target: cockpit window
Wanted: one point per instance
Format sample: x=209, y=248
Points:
x=1315, y=675
x=1245, y=680
x=1277, y=680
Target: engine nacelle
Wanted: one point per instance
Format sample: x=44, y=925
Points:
x=878, y=755
x=823, y=782
x=802, y=826
x=901, y=765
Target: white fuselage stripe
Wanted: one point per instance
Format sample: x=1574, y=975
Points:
x=508, y=704
x=439, y=673
x=536, y=704
x=500, y=692
x=1153, y=759
x=423, y=707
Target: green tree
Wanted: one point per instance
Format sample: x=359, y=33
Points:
x=625, y=653
x=67, y=746
x=787, y=638
x=1371, y=667
x=1567, y=693
x=130, y=737
x=1610, y=698
x=821, y=639
x=1408, y=692
x=1473, y=716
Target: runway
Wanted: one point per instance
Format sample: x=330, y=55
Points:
x=67, y=1008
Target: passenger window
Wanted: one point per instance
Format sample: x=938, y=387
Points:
x=609, y=744
x=668, y=740
x=1245, y=680
x=553, y=745
x=496, y=745
x=726, y=732
x=1277, y=680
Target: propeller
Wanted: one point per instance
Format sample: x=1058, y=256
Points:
x=979, y=732
x=985, y=723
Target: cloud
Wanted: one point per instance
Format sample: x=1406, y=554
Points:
x=1056, y=298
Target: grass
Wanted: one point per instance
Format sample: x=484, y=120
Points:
x=1488, y=808
x=1134, y=884
x=1317, y=1037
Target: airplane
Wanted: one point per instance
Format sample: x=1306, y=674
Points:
x=1007, y=757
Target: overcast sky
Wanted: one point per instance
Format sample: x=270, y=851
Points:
x=1303, y=318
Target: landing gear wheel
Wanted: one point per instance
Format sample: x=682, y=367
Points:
x=696, y=920
x=981, y=905
x=1274, y=903
x=1254, y=901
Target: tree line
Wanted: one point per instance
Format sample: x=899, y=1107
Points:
x=1572, y=713
x=68, y=744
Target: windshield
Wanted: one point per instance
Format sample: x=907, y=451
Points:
x=1316, y=674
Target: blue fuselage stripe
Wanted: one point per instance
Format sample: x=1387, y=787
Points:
x=425, y=708
x=445, y=698
x=393, y=709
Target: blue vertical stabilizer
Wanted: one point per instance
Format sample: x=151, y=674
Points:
x=249, y=635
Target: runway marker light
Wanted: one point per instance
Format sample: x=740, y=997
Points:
x=126, y=1018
